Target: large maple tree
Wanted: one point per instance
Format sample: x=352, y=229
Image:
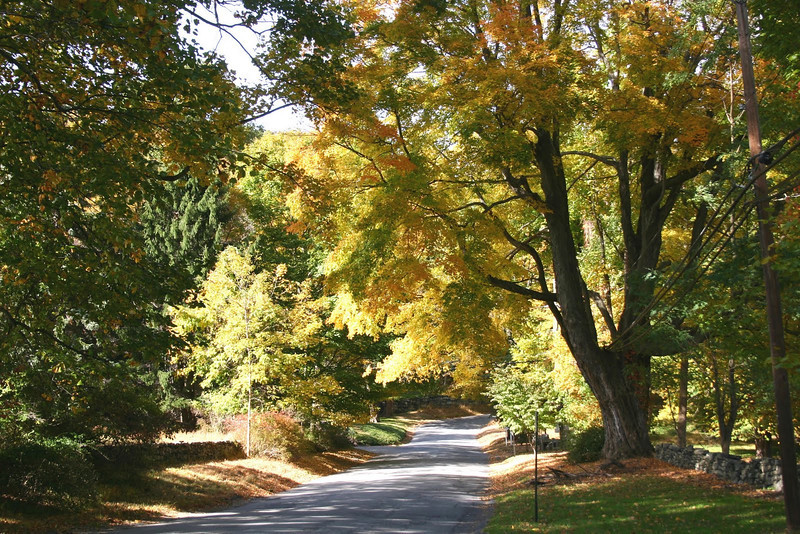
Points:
x=481, y=148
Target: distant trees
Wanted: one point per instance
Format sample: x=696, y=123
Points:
x=258, y=330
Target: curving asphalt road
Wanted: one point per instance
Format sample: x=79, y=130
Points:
x=433, y=485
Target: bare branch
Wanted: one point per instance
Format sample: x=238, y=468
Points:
x=604, y=311
x=514, y=287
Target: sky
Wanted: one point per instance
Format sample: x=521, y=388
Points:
x=211, y=39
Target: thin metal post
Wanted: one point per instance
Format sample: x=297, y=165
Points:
x=777, y=344
x=536, y=471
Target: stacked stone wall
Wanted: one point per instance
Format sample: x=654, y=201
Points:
x=404, y=405
x=164, y=454
x=759, y=472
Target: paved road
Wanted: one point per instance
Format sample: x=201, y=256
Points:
x=433, y=485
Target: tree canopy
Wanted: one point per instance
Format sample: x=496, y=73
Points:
x=485, y=149
x=484, y=173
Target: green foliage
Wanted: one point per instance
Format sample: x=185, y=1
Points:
x=54, y=472
x=517, y=397
x=586, y=445
x=100, y=103
x=183, y=227
x=305, y=48
x=776, y=25
x=238, y=332
x=540, y=376
x=327, y=436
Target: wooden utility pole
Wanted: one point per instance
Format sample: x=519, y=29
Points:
x=777, y=344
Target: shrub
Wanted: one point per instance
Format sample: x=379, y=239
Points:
x=272, y=434
x=53, y=472
x=328, y=437
x=586, y=445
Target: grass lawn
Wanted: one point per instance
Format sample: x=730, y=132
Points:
x=745, y=450
x=645, y=495
x=635, y=504
x=389, y=431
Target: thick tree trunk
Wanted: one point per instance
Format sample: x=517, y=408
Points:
x=725, y=441
x=624, y=419
x=763, y=443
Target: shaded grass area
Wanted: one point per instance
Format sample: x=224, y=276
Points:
x=645, y=495
x=639, y=503
x=745, y=450
x=128, y=495
x=389, y=431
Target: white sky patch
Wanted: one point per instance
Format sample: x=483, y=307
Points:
x=236, y=45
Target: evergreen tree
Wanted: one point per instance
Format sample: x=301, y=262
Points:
x=183, y=229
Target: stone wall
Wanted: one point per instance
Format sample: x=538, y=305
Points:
x=760, y=472
x=164, y=454
x=393, y=406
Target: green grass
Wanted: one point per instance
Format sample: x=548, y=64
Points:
x=745, y=450
x=390, y=431
x=665, y=433
x=637, y=504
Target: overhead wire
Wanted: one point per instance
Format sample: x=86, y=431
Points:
x=713, y=232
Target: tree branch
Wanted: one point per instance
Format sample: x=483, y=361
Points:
x=687, y=174
x=608, y=160
x=604, y=311
x=514, y=287
x=173, y=177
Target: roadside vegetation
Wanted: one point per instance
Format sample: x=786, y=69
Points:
x=133, y=496
x=126, y=494
x=641, y=495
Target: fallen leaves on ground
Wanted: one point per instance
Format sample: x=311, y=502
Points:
x=511, y=471
x=175, y=491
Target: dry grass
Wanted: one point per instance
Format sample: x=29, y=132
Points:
x=156, y=494
x=202, y=435
x=509, y=471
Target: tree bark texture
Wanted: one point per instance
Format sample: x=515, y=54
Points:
x=726, y=415
x=683, y=400
x=606, y=372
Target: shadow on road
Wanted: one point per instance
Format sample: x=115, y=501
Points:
x=432, y=485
